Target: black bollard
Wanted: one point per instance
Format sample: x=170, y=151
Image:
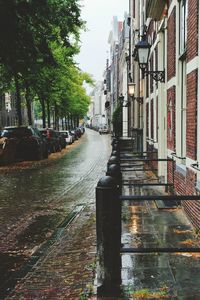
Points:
x=114, y=171
x=113, y=160
x=116, y=146
x=115, y=153
x=108, y=226
x=114, y=141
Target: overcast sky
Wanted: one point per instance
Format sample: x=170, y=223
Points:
x=94, y=43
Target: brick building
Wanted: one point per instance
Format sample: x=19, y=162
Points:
x=169, y=114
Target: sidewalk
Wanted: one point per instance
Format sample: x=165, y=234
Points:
x=157, y=275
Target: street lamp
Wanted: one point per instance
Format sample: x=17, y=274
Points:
x=131, y=92
x=142, y=51
x=131, y=89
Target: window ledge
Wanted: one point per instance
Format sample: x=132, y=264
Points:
x=181, y=169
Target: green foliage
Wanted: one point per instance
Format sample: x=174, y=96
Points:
x=37, y=42
x=117, y=120
x=27, y=29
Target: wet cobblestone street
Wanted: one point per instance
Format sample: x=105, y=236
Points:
x=37, y=208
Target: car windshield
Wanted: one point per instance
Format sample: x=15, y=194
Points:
x=43, y=132
x=16, y=132
x=65, y=134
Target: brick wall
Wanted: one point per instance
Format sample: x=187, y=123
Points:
x=153, y=154
x=192, y=208
x=156, y=118
x=152, y=120
x=147, y=120
x=192, y=29
x=179, y=183
x=171, y=45
x=171, y=118
x=191, y=116
x=150, y=77
x=185, y=184
x=170, y=166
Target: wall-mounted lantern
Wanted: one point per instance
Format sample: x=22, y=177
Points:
x=142, y=51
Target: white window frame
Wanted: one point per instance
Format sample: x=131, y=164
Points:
x=183, y=15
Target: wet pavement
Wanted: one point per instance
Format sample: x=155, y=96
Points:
x=157, y=275
x=59, y=259
x=42, y=204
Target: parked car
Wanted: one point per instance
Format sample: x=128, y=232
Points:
x=29, y=142
x=103, y=130
x=82, y=128
x=74, y=134
x=8, y=148
x=53, y=139
x=68, y=137
x=63, y=142
x=78, y=132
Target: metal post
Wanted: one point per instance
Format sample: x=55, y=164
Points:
x=108, y=226
x=173, y=173
x=115, y=153
x=114, y=171
x=113, y=160
x=114, y=141
x=116, y=146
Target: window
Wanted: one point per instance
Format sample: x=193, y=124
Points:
x=181, y=111
x=183, y=15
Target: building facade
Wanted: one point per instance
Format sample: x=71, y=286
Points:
x=167, y=109
x=8, y=114
x=7, y=110
x=97, y=111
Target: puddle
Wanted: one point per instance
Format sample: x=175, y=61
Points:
x=9, y=264
x=39, y=230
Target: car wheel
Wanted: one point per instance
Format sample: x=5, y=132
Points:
x=59, y=148
x=46, y=153
x=38, y=155
x=53, y=149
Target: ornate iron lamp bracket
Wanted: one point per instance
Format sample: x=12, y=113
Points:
x=156, y=75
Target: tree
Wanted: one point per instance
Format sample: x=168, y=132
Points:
x=27, y=29
x=117, y=120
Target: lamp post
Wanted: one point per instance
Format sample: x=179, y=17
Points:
x=131, y=93
x=131, y=89
x=142, y=51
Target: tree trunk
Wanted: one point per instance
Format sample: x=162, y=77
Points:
x=74, y=121
x=65, y=126
x=62, y=120
x=68, y=121
x=28, y=105
x=56, y=118
x=48, y=114
x=43, y=112
x=18, y=101
x=71, y=121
